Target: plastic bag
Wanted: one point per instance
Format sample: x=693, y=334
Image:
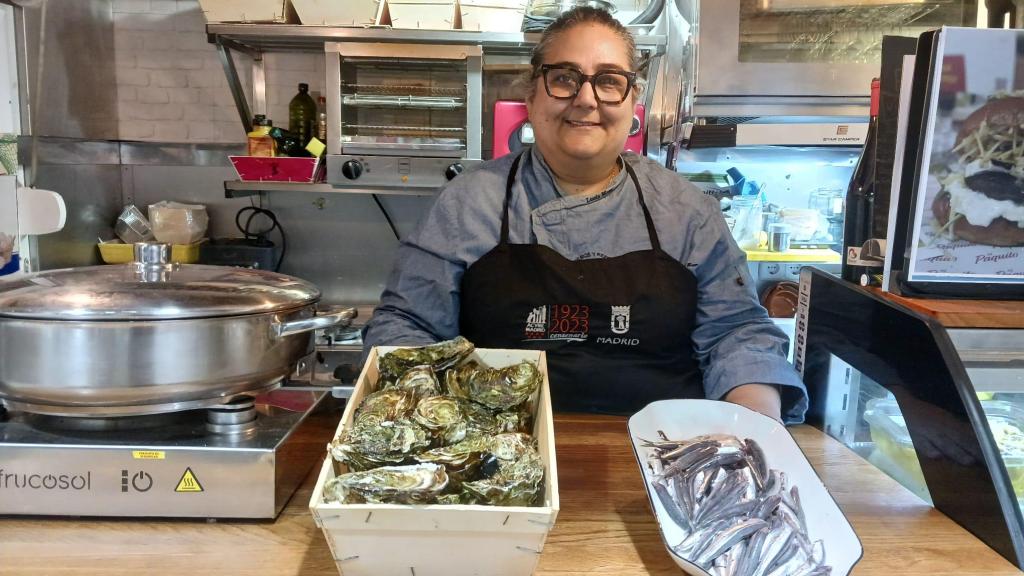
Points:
x=176, y=223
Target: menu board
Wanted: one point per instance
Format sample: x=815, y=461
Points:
x=968, y=219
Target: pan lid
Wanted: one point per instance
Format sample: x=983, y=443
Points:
x=152, y=289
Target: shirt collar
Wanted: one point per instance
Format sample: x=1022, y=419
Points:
x=542, y=172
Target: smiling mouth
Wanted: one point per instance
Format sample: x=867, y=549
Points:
x=580, y=124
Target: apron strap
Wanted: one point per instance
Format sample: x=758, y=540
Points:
x=508, y=196
x=651, y=232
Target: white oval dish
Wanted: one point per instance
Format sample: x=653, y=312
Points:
x=683, y=419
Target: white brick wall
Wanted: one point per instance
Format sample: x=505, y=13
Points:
x=171, y=86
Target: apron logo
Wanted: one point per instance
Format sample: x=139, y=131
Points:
x=537, y=323
x=620, y=319
x=565, y=322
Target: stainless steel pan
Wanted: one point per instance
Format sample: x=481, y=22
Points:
x=150, y=337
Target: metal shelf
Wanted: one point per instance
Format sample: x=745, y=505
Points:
x=239, y=189
x=261, y=37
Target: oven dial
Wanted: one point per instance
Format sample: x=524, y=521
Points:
x=352, y=169
x=453, y=170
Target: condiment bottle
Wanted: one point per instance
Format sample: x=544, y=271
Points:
x=321, y=124
x=260, y=142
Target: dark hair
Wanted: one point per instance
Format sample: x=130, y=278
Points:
x=570, y=19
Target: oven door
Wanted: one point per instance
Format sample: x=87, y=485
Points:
x=817, y=56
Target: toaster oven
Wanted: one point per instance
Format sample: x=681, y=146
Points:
x=405, y=116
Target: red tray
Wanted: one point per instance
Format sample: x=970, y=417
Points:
x=278, y=169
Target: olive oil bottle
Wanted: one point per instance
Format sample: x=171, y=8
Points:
x=302, y=115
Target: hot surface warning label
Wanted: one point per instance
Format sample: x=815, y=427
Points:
x=189, y=482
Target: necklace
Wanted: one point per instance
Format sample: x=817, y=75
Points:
x=615, y=172
x=580, y=189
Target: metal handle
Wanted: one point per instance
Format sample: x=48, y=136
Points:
x=282, y=329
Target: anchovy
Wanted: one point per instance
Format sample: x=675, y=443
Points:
x=673, y=508
x=685, y=449
x=700, y=538
x=766, y=507
x=752, y=555
x=794, y=497
x=727, y=539
x=691, y=461
x=738, y=515
x=757, y=462
x=786, y=553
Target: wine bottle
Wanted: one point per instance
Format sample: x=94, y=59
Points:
x=860, y=199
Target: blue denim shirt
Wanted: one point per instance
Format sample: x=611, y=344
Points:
x=734, y=340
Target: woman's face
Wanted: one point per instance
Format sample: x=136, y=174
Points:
x=582, y=129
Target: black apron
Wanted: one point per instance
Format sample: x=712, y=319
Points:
x=617, y=330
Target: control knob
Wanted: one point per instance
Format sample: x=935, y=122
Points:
x=352, y=169
x=453, y=170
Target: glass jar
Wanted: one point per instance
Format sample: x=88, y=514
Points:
x=746, y=210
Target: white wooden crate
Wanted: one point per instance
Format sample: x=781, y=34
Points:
x=492, y=15
x=441, y=540
x=421, y=14
x=279, y=11
x=338, y=12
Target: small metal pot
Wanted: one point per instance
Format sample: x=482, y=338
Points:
x=151, y=337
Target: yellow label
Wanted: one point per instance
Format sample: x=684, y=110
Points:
x=148, y=454
x=189, y=482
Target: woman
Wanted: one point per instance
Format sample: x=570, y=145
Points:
x=621, y=269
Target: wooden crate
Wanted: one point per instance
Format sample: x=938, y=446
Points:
x=492, y=15
x=277, y=11
x=338, y=12
x=441, y=540
x=421, y=14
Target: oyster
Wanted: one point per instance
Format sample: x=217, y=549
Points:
x=480, y=421
x=496, y=388
x=461, y=460
x=415, y=484
x=438, y=356
x=385, y=406
x=442, y=416
x=456, y=498
x=420, y=380
x=519, y=476
x=515, y=421
x=373, y=443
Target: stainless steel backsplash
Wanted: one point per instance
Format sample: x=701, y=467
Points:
x=340, y=242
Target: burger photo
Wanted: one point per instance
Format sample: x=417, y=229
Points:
x=982, y=199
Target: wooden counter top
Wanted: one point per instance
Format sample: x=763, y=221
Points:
x=605, y=525
x=964, y=313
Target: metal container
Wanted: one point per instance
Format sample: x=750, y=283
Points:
x=150, y=337
x=553, y=8
x=778, y=237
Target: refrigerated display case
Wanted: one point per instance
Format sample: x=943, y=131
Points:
x=930, y=392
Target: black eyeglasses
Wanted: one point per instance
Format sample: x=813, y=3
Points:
x=564, y=83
